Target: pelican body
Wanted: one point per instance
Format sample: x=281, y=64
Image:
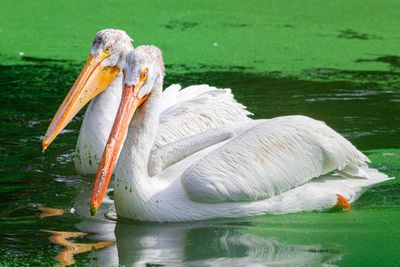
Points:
x=246, y=168
x=184, y=112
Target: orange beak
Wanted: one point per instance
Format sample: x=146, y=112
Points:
x=130, y=102
x=93, y=79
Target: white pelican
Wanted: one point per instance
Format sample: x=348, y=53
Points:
x=185, y=112
x=253, y=167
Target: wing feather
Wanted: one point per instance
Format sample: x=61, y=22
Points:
x=196, y=109
x=268, y=159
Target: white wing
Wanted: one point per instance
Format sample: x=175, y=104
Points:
x=179, y=109
x=270, y=158
x=174, y=94
x=195, y=109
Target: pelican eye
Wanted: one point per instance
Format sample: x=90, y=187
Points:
x=105, y=53
x=143, y=74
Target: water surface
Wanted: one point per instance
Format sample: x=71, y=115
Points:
x=338, y=62
x=32, y=182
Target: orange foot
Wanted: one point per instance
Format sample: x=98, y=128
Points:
x=342, y=203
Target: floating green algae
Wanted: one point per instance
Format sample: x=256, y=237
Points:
x=285, y=36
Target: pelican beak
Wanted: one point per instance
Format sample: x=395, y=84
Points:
x=130, y=102
x=93, y=79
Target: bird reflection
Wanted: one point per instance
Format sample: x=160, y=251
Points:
x=207, y=243
x=200, y=244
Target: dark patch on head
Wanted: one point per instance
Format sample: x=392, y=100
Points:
x=97, y=41
x=351, y=34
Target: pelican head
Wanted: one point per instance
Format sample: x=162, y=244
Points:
x=143, y=70
x=106, y=59
x=115, y=43
x=145, y=60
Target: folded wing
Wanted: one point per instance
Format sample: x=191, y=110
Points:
x=195, y=109
x=270, y=158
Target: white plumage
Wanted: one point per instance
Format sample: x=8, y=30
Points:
x=196, y=109
x=184, y=112
x=270, y=158
x=247, y=168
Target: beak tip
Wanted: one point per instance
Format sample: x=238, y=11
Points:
x=44, y=146
x=93, y=210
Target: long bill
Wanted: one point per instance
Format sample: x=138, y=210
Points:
x=93, y=79
x=130, y=102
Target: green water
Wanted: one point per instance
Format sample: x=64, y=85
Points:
x=337, y=61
